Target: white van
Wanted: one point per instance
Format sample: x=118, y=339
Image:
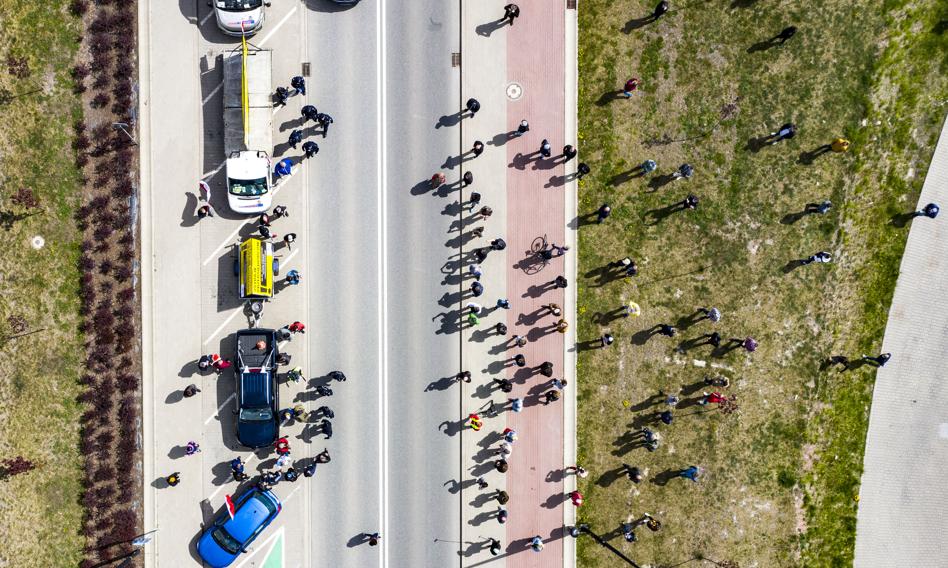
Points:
x=236, y=17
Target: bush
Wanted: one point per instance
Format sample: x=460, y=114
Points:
x=126, y=381
x=78, y=7
x=100, y=100
x=126, y=295
x=102, y=232
x=81, y=160
x=104, y=472
x=79, y=72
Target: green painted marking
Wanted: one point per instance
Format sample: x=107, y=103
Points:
x=275, y=556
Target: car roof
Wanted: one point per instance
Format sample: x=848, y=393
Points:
x=255, y=390
x=250, y=515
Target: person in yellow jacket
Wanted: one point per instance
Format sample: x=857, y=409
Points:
x=839, y=145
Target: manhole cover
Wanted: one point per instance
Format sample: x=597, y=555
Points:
x=37, y=242
x=514, y=91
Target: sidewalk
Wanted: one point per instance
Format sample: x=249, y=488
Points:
x=901, y=519
x=526, y=71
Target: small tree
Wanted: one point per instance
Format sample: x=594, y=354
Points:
x=25, y=198
x=15, y=466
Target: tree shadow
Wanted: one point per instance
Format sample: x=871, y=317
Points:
x=490, y=27
x=900, y=220
x=610, y=96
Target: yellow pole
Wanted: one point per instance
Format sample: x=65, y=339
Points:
x=244, y=90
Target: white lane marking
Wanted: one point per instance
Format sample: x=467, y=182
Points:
x=272, y=538
x=223, y=404
x=274, y=29
x=229, y=319
x=383, y=287
x=214, y=171
x=206, y=18
x=292, y=493
x=212, y=93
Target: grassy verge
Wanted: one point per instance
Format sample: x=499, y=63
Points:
x=40, y=515
x=783, y=471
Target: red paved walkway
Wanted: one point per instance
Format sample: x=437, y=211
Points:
x=535, y=56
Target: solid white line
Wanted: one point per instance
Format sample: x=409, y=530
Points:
x=383, y=277
x=292, y=493
x=279, y=533
x=229, y=319
x=206, y=18
x=212, y=93
x=274, y=29
x=214, y=171
x=223, y=404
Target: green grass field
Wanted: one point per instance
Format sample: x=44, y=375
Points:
x=782, y=473
x=39, y=417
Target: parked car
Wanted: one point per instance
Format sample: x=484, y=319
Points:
x=258, y=422
x=223, y=541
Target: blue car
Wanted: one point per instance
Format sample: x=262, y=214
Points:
x=223, y=541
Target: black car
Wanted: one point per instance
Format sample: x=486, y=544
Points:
x=258, y=421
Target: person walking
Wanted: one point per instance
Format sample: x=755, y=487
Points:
x=713, y=398
x=606, y=339
x=472, y=105
x=192, y=448
x=930, y=211
x=281, y=96
x=297, y=327
x=494, y=546
x=582, y=170
x=511, y=13
x=510, y=435
x=633, y=473
x=711, y=313
x=498, y=244
x=288, y=240
x=516, y=404
x=478, y=148
x=463, y=376
x=173, y=479
x=296, y=137
x=475, y=421
x=820, y=208
x=519, y=340
x=520, y=360
x=501, y=515
x=580, y=470
x=785, y=132
x=878, y=361
x=279, y=211
x=501, y=328
x=477, y=288
x=551, y=396
x=191, y=390
x=485, y=212
x=667, y=330
x=576, y=497
x=467, y=178
x=310, y=469
x=820, y=257
x=291, y=474
x=502, y=497
x=221, y=365
x=558, y=384
x=503, y=303
x=691, y=472
x=569, y=152
x=546, y=369
x=546, y=150
x=324, y=121
x=559, y=282
x=475, y=270
x=437, y=180
x=690, y=202
x=785, y=34
x=283, y=168
x=309, y=112
x=630, y=87
x=562, y=325
x=627, y=533
x=373, y=538
x=299, y=85
x=505, y=385
x=603, y=212
x=522, y=128
x=684, y=171
x=310, y=148
x=506, y=448
x=536, y=544
x=660, y=10
x=553, y=309
x=838, y=145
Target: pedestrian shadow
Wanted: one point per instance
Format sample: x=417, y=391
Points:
x=456, y=486
x=603, y=275
x=689, y=344
x=442, y=384
x=610, y=477
x=535, y=291
x=793, y=265
x=520, y=161
x=482, y=499
x=605, y=318
x=791, y=218
x=502, y=138
x=453, y=209
x=900, y=220
x=160, y=483
x=222, y=473
x=546, y=163
x=626, y=176
x=662, y=213
x=661, y=181
x=532, y=317
x=763, y=45
x=490, y=27
x=807, y=158
x=559, y=181
x=421, y=187
x=554, y=501
x=589, y=345
x=449, y=120
x=643, y=420
x=282, y=148
x=609, y=96
x=451, y=299
x=637, y=23
x=642, y=337
x=454, y=161
x=452, y=427
x=177, y=452
x=291, y=124
x=584, y=219
x=474, y=548
x=756, y=143
x=689, y=320
x=482, y=335
x=189, y=216
x=357, y=540
x=648, y=402
x=662, y=478
x=477, y=521
x=484, y=391
x=555, y=476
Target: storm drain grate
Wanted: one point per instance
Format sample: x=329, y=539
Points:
x=570, y=4
x=306, y=67
x=455, y=59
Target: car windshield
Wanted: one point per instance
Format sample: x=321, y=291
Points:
x=247, y=187
x=256, y=415
x=227, y=542
x=238, y=5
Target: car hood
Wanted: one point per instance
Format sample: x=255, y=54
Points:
x=247, y=165
x=231, y=20
x=257, y=434
x=211, y=552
